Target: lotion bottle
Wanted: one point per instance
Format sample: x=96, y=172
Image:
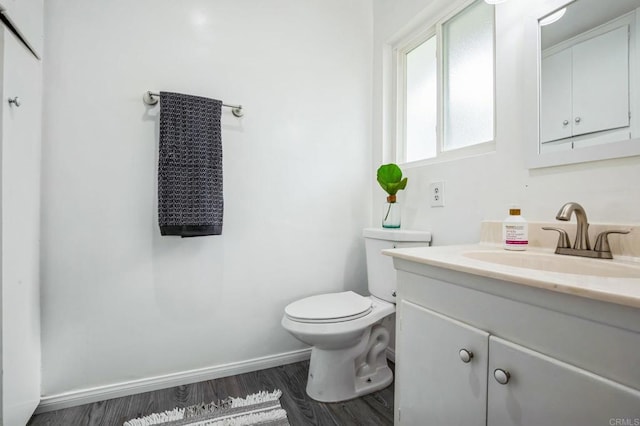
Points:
x=515, y=231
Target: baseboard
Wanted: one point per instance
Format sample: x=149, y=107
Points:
x=101, y=393
x=391, y=355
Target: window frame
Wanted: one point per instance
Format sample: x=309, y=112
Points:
x=418, y=35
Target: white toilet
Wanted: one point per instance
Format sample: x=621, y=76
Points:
x=348, y=358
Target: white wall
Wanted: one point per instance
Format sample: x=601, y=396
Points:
x=122, y=303
x=119, y=301
x=482, y=187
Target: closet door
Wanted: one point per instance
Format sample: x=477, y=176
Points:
x=20, y=189
x=601, y=82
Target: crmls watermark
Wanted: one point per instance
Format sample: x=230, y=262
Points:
x=621, y=421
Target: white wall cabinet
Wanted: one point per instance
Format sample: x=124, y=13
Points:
x=585, y=88
x=20, y=229
x=457, y=335
x=556, y=110
x=26, y=16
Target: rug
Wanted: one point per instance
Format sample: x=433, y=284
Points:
x=262, y=408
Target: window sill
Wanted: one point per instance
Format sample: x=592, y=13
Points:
x=453, y=155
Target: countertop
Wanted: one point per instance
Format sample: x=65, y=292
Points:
x=622, y=291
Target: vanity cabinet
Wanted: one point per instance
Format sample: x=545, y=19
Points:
x=585, y=87
x=542, y=390
x=434, y=380
x=479, y=351
x=26, y=16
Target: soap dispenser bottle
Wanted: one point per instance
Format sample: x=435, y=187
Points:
x=515, y=230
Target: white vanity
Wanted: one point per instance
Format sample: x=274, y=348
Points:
x=489, y=337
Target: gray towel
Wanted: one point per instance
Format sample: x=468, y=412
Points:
x=190, y=199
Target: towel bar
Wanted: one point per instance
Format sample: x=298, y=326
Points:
x=151, y=98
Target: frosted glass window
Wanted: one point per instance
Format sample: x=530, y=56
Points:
x=468, y=77
x=421, y=102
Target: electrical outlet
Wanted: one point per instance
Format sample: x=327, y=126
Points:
x=436, y=194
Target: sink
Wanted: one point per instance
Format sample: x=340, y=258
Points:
x=557, y=263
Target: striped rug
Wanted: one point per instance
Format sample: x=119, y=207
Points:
x=262, y=408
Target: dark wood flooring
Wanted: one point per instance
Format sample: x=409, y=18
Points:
x=373, y=409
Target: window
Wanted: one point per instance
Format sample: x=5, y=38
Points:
x=432, y=125
x=421, y=101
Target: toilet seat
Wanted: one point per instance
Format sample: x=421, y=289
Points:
x=329, y=308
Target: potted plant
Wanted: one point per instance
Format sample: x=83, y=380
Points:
x=390, y=178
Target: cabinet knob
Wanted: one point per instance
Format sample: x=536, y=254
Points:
x=465, y=355
x=15, y=101
x=565, y=122
x=501, y=376
x=578, y=119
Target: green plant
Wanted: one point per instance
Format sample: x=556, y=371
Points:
x=390, y=178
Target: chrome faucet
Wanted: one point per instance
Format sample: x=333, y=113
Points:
x=582, y=231
x=581, y=245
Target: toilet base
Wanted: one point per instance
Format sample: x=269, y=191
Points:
x=342, y=374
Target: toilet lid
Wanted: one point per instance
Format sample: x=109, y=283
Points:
x=332, y=307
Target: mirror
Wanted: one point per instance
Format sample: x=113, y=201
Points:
x=588, y=84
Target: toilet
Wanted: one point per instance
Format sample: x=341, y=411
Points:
x=349, y=342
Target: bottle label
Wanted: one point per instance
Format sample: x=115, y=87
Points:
x=516, y=234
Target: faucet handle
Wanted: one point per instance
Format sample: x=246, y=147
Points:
x=563, y=237
x=602, y=240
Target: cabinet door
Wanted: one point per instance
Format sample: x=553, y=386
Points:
x=555, y=97
x=433, y=385
x=545, y=391
x=601, y=82
x=20, y=142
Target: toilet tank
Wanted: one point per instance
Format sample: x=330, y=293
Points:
x=380, y=271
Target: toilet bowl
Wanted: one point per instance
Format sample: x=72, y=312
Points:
x=348, y=358
x=349, y=342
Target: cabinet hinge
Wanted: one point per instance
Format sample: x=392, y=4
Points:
x=399, y=415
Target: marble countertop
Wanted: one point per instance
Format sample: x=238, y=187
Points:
x=623, y=291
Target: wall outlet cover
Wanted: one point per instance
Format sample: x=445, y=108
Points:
x=436, y=194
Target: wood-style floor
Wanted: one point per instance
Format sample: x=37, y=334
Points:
x=372, y=409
